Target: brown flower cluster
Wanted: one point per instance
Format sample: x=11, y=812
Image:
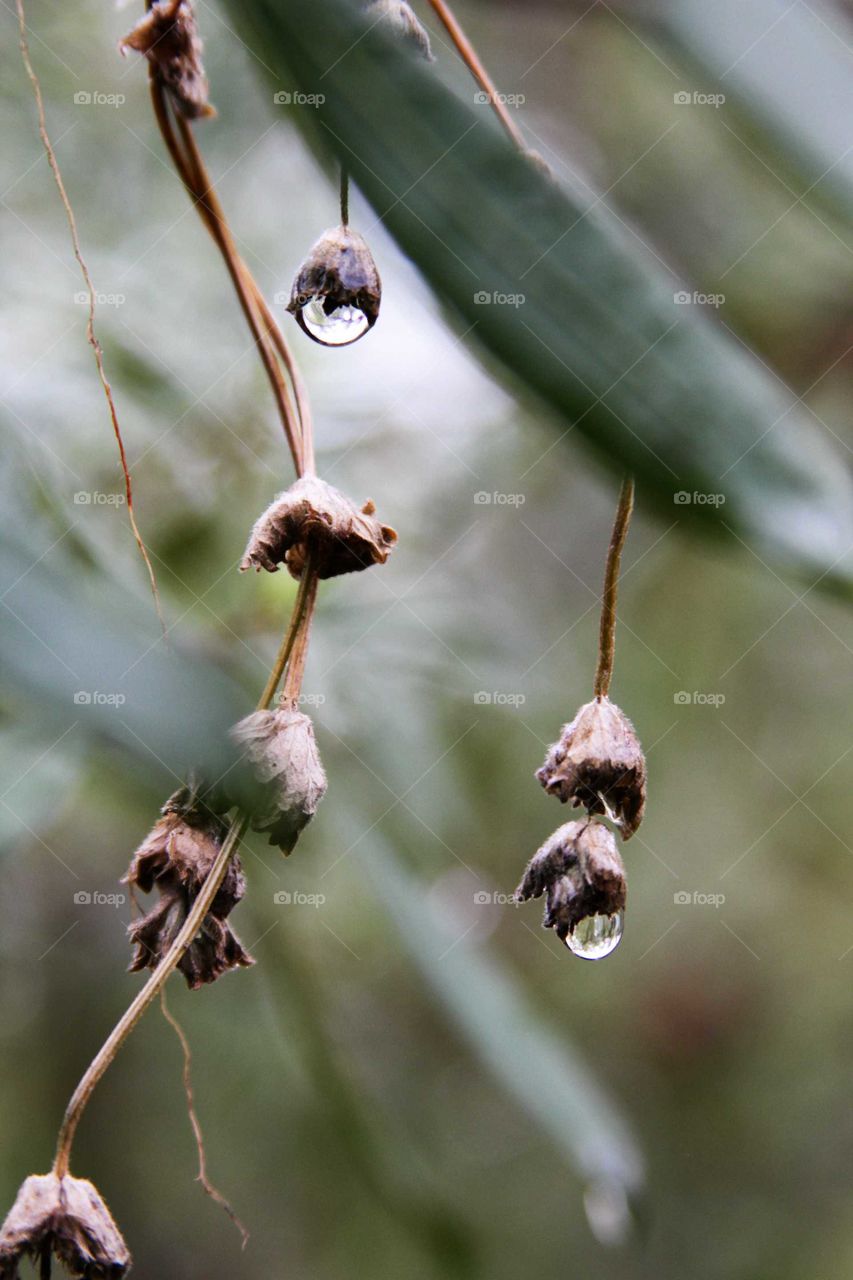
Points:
x=168, y=37
x=313, y=514
x=281, y=746
x=175, y=858
x=63, y=1218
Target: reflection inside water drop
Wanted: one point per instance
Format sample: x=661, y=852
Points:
x=595, y=937
x=344, y=324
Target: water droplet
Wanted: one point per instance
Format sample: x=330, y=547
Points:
x=338, y=328
x=595, y=937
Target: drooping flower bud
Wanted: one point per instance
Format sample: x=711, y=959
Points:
x=343, y=538
x=65, y=1218
x=337, y=290
x=281, y=746
x=579, y=870
x=598, y=763
x=175, y=858
x=168, y=36
x=400, y=17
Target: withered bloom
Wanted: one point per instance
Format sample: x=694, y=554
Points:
x=581, y=874
x=400, y=17
x=63, y=1218
x=175, y=858
x=337, y=290
x=598, y=763
x=281, y=746
x=343, y=538
x=167, y=35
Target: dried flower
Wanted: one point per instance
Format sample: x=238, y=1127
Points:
x=400, y=17
x=581, y=874
x=337, y=291
x=67, y=1218
x=175, y=858
x=598, y=763
x=344, y=539
x=281, y=746
x=167, y=35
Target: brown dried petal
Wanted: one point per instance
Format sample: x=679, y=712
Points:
x=400, y=17
x=168, y=36
x=342, y=538
x=579, y=870
x=282, y=747
x=176, y=858
x=598, y=762
x=68, y=1218
x=340, y=270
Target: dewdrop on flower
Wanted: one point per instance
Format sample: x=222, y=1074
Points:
x=337, y=290
x=581, y=874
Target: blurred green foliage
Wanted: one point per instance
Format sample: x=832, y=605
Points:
x=357, y=1122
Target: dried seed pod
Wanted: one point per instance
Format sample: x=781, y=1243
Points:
x=598, y=762
x=168, y=36
x=343, y=538
x=337, y=290
x=175, y=858
x=579, y=870
x=400, y=17
x=281, y=746
x=65, y=1218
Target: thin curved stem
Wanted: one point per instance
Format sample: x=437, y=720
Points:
x=468, y=54
x=303, y=607
x=344, y=195
x=607, y=633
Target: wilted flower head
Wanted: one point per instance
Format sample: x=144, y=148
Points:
x=598, y=763
x=281, y=746
x=401, y=18
x=67, y=1219
x=337, y=290
x=312, y=512
x=175, y=858
x=167, y=35
x=581, y=874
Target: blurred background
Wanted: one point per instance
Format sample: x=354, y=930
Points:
x=415, y=1079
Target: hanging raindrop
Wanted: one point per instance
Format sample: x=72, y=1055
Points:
x=336, y=327
x=337, y=290
x=594, y=937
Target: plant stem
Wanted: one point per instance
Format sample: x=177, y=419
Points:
x=344, y=195
x=468, y=54
x=293, y=644
x=607, y=633
x=199, y=185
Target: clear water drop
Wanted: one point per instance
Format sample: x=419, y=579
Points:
x=341, y=326
x=595, y=937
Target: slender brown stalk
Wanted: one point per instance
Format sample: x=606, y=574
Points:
x=607, y=633
x=291, y=650
x=193, y=172
x=344, y=195
x=195, y=1124
x=468, y=54
x=90, y=323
